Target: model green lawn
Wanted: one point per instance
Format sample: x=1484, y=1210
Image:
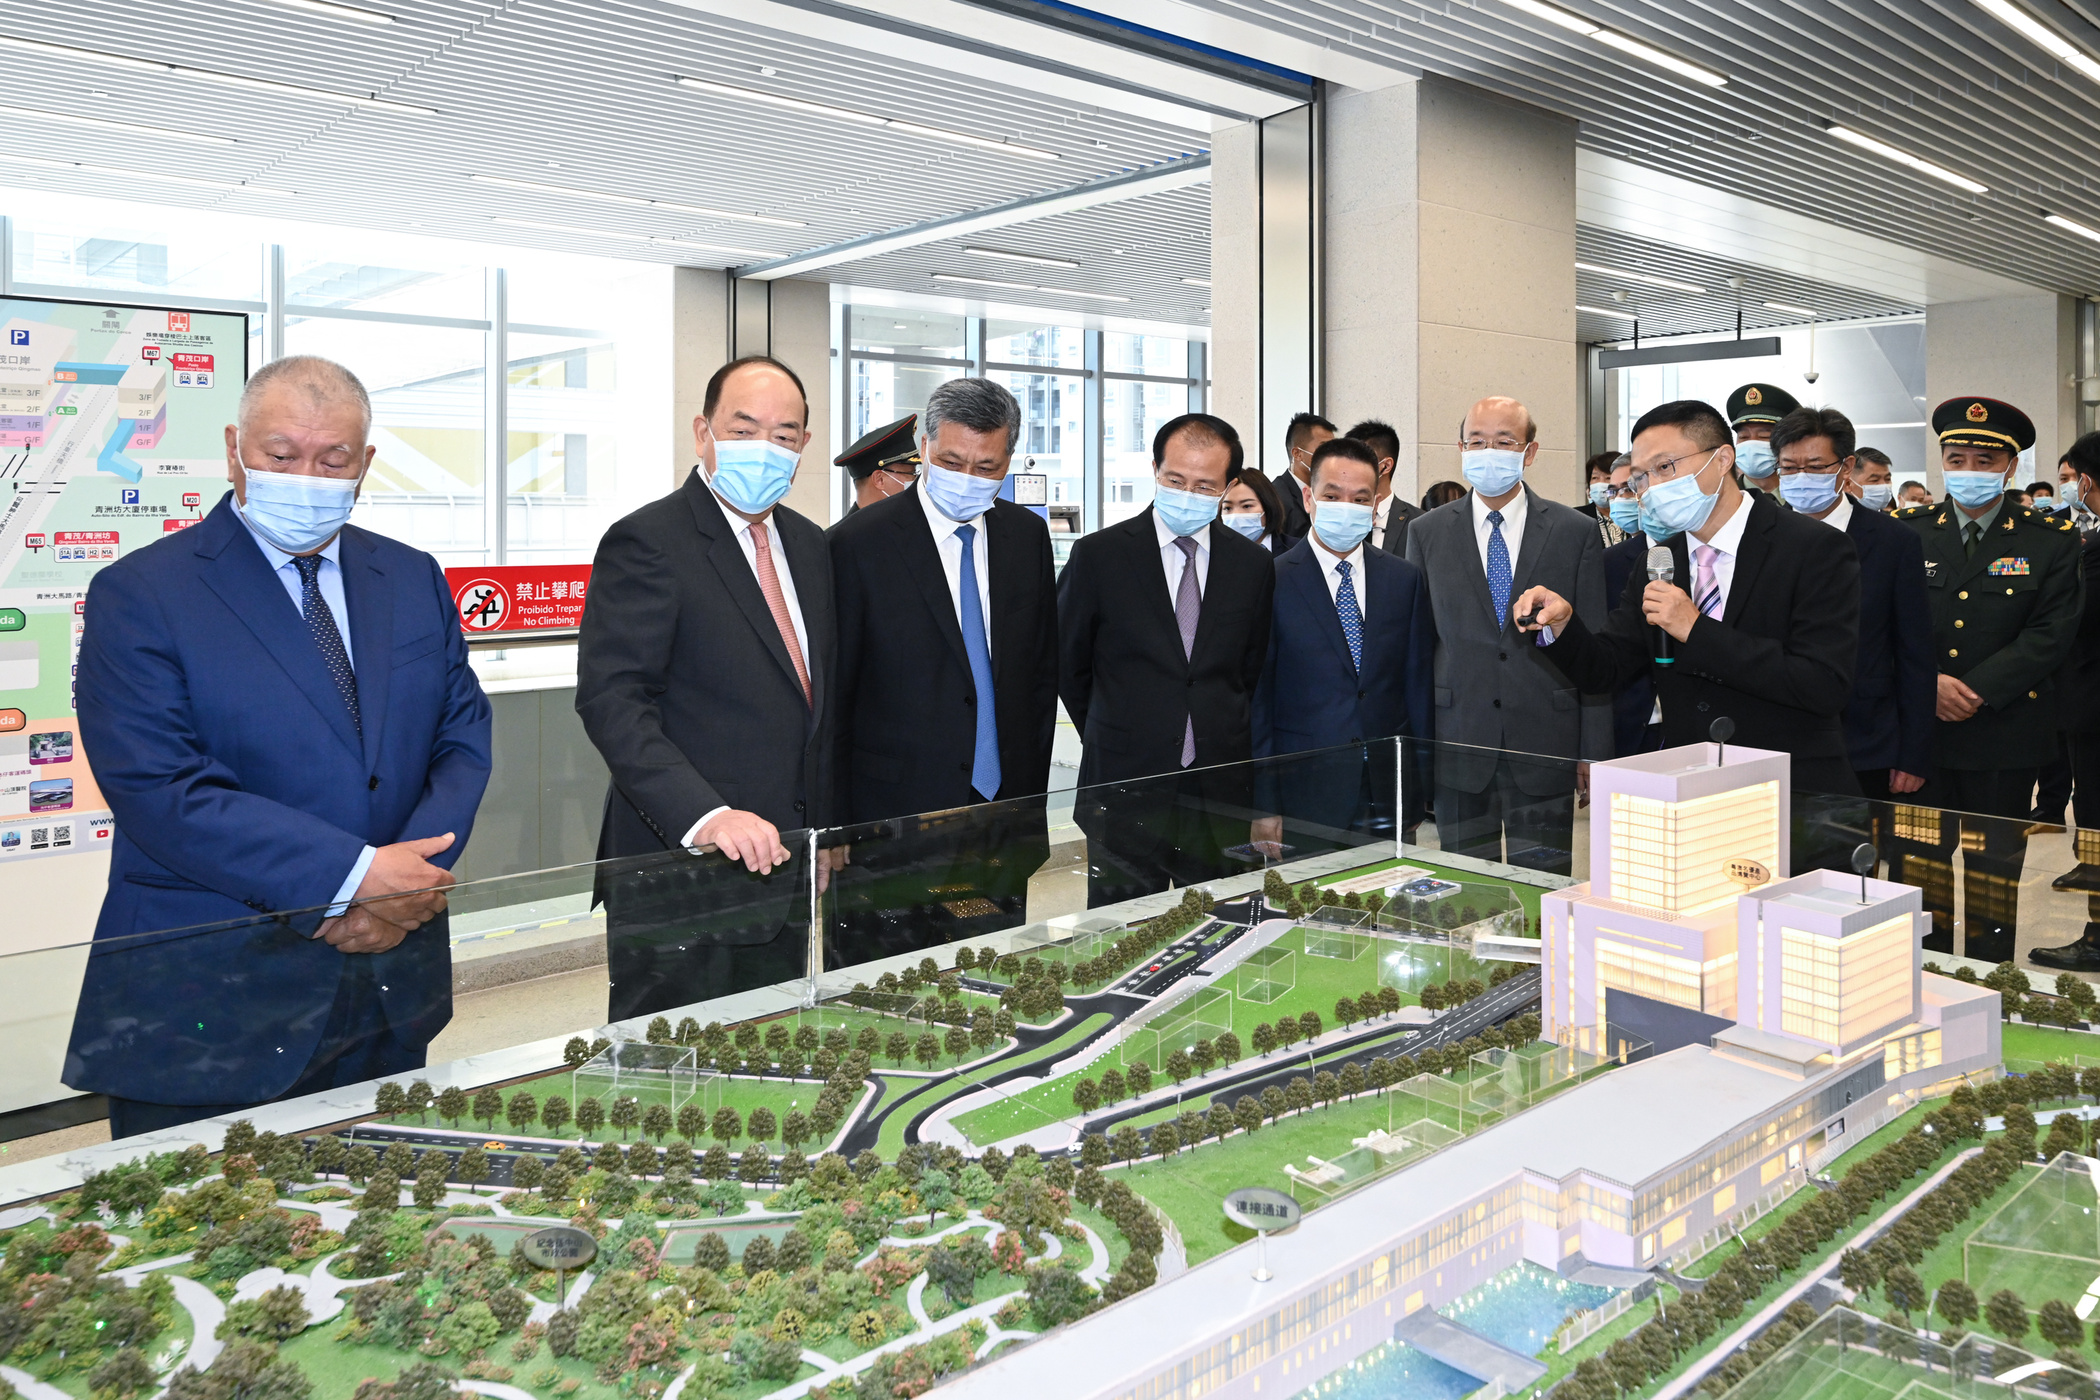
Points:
x=1318, y=984
x=716, y=1091
x=1849, y=1373
x=2030, y=1047
x=1527, y=895
x=838, y=1015
x=925, y=1094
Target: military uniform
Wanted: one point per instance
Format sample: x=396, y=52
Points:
x=893, y=447
x=1760, y=406
x=2005, y=611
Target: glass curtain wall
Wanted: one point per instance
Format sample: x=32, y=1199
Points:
x=1090, y=399
x=569, y=343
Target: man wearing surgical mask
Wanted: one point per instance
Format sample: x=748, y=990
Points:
x=947, y=671
x=1888, y=721
x=1759, y=623
x=280, y=714
x=1752, y=412
x=704, y=676
x=1493, y=688
x=1163, y=627
x=1872, y=482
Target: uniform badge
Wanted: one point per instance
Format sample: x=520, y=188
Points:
x=1978, y=413
x=1753, y=395
x=2009, y=568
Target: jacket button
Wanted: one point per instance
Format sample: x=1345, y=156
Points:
x=1498, y=704
x=1963, y=594
x=1359, y=695
x=372, y=786
x=798, y=806
x=971, y=701
x=1958, y=622
x=2034, y=695
x=1704, y=707
x=962, y=767
x=1953, y=651
x=2008, y=593
x=1503, y=654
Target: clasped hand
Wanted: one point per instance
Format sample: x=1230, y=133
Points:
x=401, y=891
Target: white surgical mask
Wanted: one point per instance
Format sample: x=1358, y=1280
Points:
x=298, y=514
x=1492, y=471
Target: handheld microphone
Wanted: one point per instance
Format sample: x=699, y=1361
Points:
x=1662, y=568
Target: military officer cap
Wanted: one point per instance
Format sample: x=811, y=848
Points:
x=1759, y=403
x=892, y=447
x=1977, y=422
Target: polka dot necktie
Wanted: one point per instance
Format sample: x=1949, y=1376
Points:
x=1499, y=575
x=1352, y=618
x=320, y=620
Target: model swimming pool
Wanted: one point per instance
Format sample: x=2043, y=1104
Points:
x=1393, y=1371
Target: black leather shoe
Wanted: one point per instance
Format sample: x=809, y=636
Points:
x=2082, y=878
x=2082, y=956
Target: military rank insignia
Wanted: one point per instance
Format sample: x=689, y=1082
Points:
x=2009, y=568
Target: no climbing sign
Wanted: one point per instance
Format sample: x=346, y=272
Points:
x=519, y=597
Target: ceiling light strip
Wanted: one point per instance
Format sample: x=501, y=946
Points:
x=1026, y=287
x=1631, y=47
x=107, y=124
x=1646, y=278
x=1792, y=310
x=2042, y=36
x=2071, y=226
x=823, y=109
x=78, y=167
x=334, y=11
x=1905, y=158
x=1004, y=256
x=206, y=75
x=620, y=236
x=634, y=201
x=1607, y=311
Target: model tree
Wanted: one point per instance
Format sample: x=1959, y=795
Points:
x=1309, y=1025
x=526, y=1172
x=488, y=1107
x=391, y=1101
x=2059, y=1326
x=1247, y=1113
x=329, y=1152
x=431, y=1172
x=554, y=1113
x=473, y=1167
x=956, y=1041
x=692, y=1122
x=656, y=1121
x=1345, y=1011
x=626, y=1114
x=926, y=1049
x=523, y=1111
x=727, y=1127
x=1112, y=1090
x=590, y=1116
x=420, y=1097
x=2006, y=1314
x=452, y=1104
x=896, y=1047
x=761, y=1125
x=359, y=1164
x=1138, y=1076
x=1179, y=1066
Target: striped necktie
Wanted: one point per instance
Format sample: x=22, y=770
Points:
x=1708, y=587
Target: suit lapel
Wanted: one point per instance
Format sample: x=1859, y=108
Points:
x=1309, y=577
x=1154, y=599
x=371, y=606
x=922, y=560
x=1218, y=577
x=1006, y=562
x=1536, y=528
x=739, y=579
x=1469, y=554
x=1370, y=593
x=1752, y=551
x=234, y=568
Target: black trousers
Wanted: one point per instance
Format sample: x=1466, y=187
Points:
x=1538, y=831
x=357, y=1044
x=1987, y=811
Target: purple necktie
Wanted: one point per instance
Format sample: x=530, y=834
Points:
x=1188, y=609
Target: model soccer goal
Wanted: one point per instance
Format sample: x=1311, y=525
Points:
x=2044, y=1243
x=1341, y=944
x=1267, y=974
x=650, y=1074
x=1205, y=1015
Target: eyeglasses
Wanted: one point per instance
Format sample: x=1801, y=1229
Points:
x=1663, y=471
x=1173, y=482
x=1506, y=442
x=1619, y=493
x=1819, y=467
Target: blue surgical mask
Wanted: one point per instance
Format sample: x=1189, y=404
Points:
x=1975, y=489
x=1184, y=512
x=1249, y=523
x=298, y=514
x=1811, y=493
x=1654, y=529
x=1877, y=496
x=1756, y=459
x=752, y=474
x=1678, y=505
x=1600, y=494
x=1492, y=471
x=1626, y=514
x=1341, y=525
x=959, y=495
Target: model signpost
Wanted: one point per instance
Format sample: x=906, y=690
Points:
x=1262, y=1209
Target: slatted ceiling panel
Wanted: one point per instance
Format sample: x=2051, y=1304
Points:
x=1939, y=78
x=1163, y=237
x=1666, y=311
x=522, y=86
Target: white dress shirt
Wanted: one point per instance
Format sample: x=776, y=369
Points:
x=1380, y=513
x=330, y=581
x=1513, y=517
x=1841, y=517
x=948, y=545
x=1728, y=540
x=1330, y=570
x=781, y=571
x=1172, y=560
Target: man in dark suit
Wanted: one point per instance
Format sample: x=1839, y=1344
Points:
x=1766, y=634
x=1888, y=720
x=704, y=677
x=2006, y=593
x=947, y=685
x=1301, y=439
x=1389, y=523
x=882, y=462
x=279, y=711
x=1493, y=691
x=2081, y=718
x=1163, y=629
x=1349, y=662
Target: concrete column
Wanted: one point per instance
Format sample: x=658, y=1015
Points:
x=2022, y=349
x=1264, y=279
x=1449, y=272
x=713, y=320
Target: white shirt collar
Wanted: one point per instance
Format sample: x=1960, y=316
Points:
x=1513, y=511
x=332, y=551
x=1354, y=559
x=738, y=523
x=1729, y=538
x=1841, y=518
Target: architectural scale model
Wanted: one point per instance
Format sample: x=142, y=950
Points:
x=1001, y=1172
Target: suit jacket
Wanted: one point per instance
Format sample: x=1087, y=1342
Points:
x=1778, y=662
x=1312, y=695
x=907, y=706
x=1494, y=687
x=1296, y=523
x=2004, y=620
x=1121, y=671
x=684, y=684
x=241, y=786
x=2082, y=683
x=1634, y=702
x=1889, y=719
x=1394, y=540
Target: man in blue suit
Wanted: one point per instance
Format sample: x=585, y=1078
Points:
x=278, y=708
x=1350, y=657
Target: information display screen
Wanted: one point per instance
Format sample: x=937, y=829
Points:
x=112, y=434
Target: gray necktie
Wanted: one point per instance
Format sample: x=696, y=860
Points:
x=1188, y=610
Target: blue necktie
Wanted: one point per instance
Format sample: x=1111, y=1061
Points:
x=1498, y=569
x=984, y=771
x=320, y=620
x=1352, y=619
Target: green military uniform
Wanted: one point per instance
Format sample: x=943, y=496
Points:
x=2005, y=603
x=1759, y=406
x=893, y=447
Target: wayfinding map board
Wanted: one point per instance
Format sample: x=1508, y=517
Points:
x=112, y=434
